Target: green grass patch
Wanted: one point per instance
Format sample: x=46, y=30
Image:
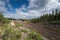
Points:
x=34, y=36
x=25, y=31
x=18, y=25
x=9, y=33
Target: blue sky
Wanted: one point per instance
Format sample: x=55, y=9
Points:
x=27, y=9
x=18, y=3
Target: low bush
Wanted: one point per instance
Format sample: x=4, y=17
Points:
x=34, y=36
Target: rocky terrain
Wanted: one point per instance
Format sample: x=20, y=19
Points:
x=15, y=31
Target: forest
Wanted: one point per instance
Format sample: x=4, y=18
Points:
x=49, y=17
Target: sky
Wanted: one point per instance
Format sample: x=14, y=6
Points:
x=27, y=9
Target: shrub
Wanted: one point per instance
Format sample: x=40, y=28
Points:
x=34, y=36
x=3, y=20
x=11, y=34
x=24, y=31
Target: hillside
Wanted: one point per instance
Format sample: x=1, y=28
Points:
x=14, y=31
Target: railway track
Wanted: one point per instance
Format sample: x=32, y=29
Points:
x=49, y=31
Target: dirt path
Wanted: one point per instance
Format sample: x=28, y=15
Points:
x=12, y=23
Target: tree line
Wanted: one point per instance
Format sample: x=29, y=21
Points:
x=3, y=20
x=54, y=16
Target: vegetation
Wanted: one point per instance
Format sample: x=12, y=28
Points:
x=11, y=34
x=54, y=16
x=18, y=25
x=25, y=31
x=3, y=20
x=8, y=32
x=34, y=36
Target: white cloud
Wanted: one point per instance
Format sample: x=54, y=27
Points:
x=2, y=3
x=2, y=6
x=37, y=4
x=53, y=4
x=36, y=8
x=44, y=6
x=10, y=7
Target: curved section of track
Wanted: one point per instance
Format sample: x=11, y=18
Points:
x=52, y=32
